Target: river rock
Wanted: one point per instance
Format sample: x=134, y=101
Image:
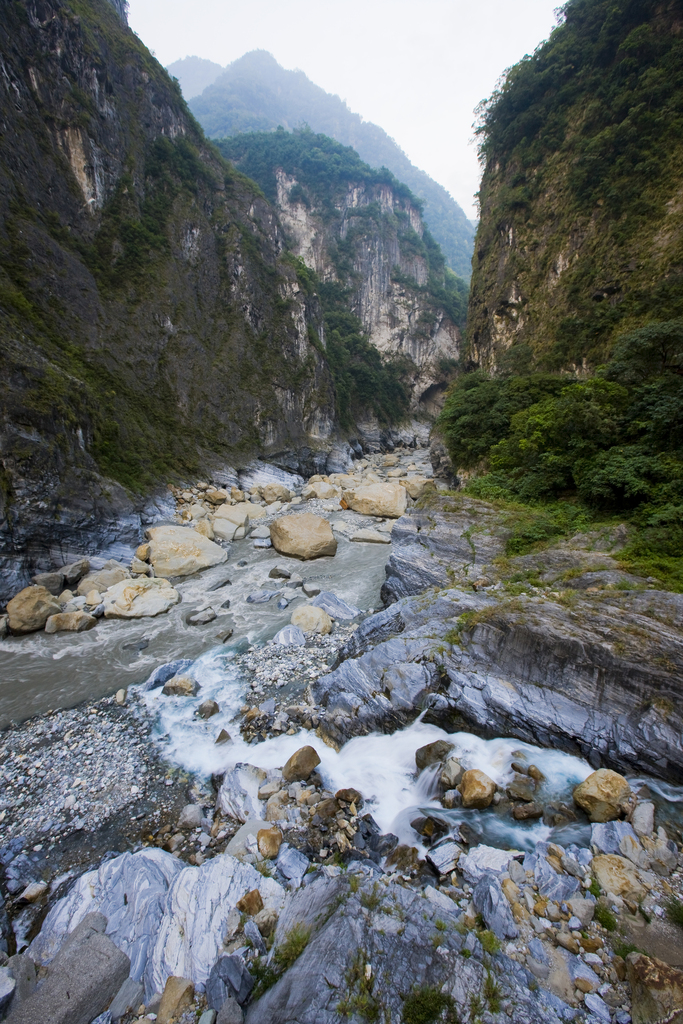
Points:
x=230, y=1013
x=238, y=796
x=177, y=997
x=204, y=527
x=276, y=492
x=251, y=903
x=30, y=609
x=617, y=875
x=451, y=773
x=71, y=622
x=432, y=753
x=606, y=837
x=527, y=811
x=223, y=529
x=292, y=864
x=81, y=981
x=136, y=599
x=207, y=709
x=643, y=818
x=73, y=572
x=388, y=500
x=52, y=581
x=489, y=900
x=370, y=537
x=483, y=860
x=417, y=485
x=290, y=636
x=602, y=795
x=322, y=490
x=477, y=789
x=202, y=617
x=335, y=607
x=269, y=841
x=303, y=536
x=112, y=572
x=127, y=999
x=229, y=979
x=311, y=619
x=300, y=765
x=656, y=989
x=180, y=551
x=181, y=686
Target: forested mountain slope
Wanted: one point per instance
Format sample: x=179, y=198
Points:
x=148, y=321
x=576, y=309
x=256, y=94
x=378, y=271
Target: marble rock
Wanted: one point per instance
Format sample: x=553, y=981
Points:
x=140, y=598
x=238, y=796
x=484, y=860
x=180, y=551
x=30, y=609
x=303, y=536
x=378, y=499
x=490, y=901
x=335, y=607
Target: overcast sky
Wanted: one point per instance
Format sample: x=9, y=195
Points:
x=418, y=68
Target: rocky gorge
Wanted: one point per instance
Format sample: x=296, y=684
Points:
x=314, y=817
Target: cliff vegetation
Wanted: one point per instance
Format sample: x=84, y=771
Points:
x=574, y=395
x=255, y=94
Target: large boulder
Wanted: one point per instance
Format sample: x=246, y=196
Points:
x=30, y=609
x=656, y=989
x=70, y=622
x=275, y=492
x=303, y=536
x=310, y=619
x=111, y=572
x=476, y=789
x=377, y=500
x=617, y=875
x=241, y=513
x=135, y=599
x=432, y=753
x=602, y=795
x=417, y=485
x=320, y=489
x=179, y=551
x=81, y=981
x=300, y=765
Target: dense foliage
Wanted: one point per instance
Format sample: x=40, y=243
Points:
x=623, y=65
x=255, y=94
x=318, y=162
x=612, y=442
x=582, y=143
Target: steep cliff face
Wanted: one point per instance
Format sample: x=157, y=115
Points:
x=148, y=323
x=364, y=232
x=255, y=94
x=581, y=233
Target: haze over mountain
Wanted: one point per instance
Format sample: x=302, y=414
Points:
x=255, y=93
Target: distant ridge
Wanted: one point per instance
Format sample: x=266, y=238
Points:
x=255, y=93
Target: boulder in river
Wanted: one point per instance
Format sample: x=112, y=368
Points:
x=311, y=619
x=30, y=609
x=180, y=686
x=432, y=753
x=52, y=581
x=303, y=536
x=370, y=537
x=377, y=500
x=602, y=795
x=136, y=599
x=300, y=765
x=335, y=607
x=70, y=622
x=111, y=572
x=179, y=551
x=477, y=789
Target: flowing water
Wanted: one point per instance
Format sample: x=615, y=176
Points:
x=40, y=672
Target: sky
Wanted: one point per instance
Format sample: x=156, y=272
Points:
x=417, y=68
